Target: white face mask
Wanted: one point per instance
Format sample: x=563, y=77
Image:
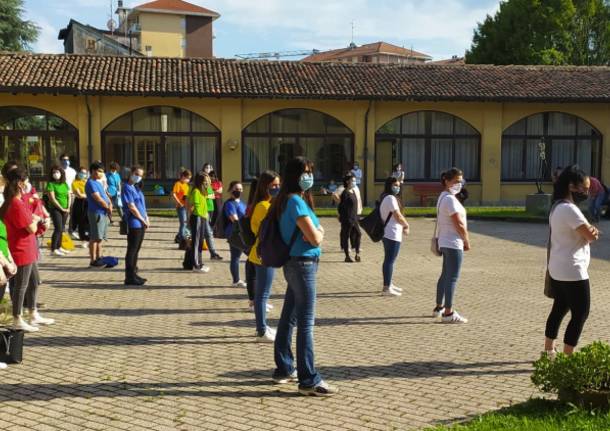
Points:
x=56, y=175
x=27, y=188
x=2, y=198
x=455, y=189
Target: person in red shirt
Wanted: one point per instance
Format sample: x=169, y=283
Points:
x=597, y=197
x=21, y=226
x=217, y=187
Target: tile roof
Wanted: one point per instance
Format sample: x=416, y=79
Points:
x=174, y=6
x=196, y=77
x=368, y=49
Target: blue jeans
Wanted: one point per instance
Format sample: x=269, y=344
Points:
x=183, y=230
x=595, y=205
x=391, y=249
x=445, y=288
x=299, y=310
x=234, y=266
x=264, y=280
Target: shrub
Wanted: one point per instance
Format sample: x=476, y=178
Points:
x=587, y=370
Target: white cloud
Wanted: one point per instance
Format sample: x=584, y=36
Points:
x=47, y=39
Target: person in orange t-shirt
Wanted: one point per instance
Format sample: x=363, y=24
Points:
x=179, y=194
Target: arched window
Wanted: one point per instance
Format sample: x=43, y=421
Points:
x=427, y=143
x=162, y=139
x=276, y=138
x=35, y=138
x=567, y=140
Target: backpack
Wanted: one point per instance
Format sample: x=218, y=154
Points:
x=272, y=250
x=373, y=225
x=187, y=262
x=220, y=224
x=110, y=261
x=245, y=230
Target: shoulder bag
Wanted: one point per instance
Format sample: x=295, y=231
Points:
x=434, y=248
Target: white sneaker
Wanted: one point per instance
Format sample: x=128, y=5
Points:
x=390, y=291
x=393, y=286
x=57, y=252
x=3, y=366
x=36, y=320
x=21, y=325
x=64, y=251
x=241, y=284
x=204, y=269
x=454, y=318
x=267, y=337
x=437, y=314
x=75, y=236
x=251, y=308
x=85, y=245
x=269, y=307
x=552, y=354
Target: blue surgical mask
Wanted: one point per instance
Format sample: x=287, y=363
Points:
x=395, y=189
x=65, y=163
x=82, y=175
x=273, y=192
x=136, y=179
x=306, y=181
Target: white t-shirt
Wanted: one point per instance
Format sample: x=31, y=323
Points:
x=393, y=229
x=70, y=176
x=570, y=252
x=448, y=236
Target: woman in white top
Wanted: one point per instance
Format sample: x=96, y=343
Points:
x=569, y=259
x=395, y=227
x=453, y=240
x=398, y=173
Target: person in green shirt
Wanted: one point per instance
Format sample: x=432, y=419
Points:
x=198, y=218
x=58, y=192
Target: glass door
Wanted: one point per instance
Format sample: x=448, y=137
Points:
x=148, y=155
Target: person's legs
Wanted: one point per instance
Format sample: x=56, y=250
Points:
x=197, y=238
x=301, y=276
x=452, y=264
x=56, y=218
x=209, y=237
x=234, y=265
x=356, y=237
x=251, y=281
x=182, y=220
x=391, y=250
x=264, y=280
x=94, y=237
x=344, y=238
x=284, y=359
x=31, y=295
x=134, y=241
x=558, y=311
x=20, y=288
x=579, y=301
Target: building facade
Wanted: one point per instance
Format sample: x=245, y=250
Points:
x=245, y=117
x=376, y=53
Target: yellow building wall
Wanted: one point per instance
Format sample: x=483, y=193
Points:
x=231, y=116
x=163, y=32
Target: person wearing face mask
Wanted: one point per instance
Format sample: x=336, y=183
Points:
x=357, y=173
x=99, y=207
x=396, y=227
x=302, y=232
x=59, y=196
x=114, y=187
x=217, y=188
x=78, y=218
x=234, y=210
x=70, y=173
x=209, y=202
x=268, y=187
x=21, y=226
x=179, y=194
x=348, y=217
x=453, y=240
x=137, y=223
x=569, y=257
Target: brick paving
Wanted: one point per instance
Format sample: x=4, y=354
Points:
x=180, y=354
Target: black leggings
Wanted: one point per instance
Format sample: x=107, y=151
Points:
x=350, y=234
x=573, y=296
x=59, y=219
x=250, y=279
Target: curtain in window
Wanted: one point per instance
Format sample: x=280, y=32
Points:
x=205, y=149
x=414, y=158
x=535, y=125
x=562, y=124
x=584, y=152
x=384, y=158
x=177, y=155
x=532, y=158
x=467, y=156
x=512, y=159
x=442, y=124
x=414, y=124
x=563, y=152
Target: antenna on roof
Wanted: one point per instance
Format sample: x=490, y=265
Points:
x=352, y=44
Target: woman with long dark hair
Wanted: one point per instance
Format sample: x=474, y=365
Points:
x=234, y=210
x=301, y=230
x=395, y=227
x=198, y=213
x=21, y=226
x=59, y=207
x=453, y=241
x=268, y=187
x=569, y=259
x=348, y=217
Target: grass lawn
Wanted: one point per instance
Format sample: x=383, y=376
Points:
x=536, y=415
x=483, y=213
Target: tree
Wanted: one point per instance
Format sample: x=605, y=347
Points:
x=16, y=34
x=544, y=32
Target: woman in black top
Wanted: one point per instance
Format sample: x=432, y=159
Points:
x=348, y=217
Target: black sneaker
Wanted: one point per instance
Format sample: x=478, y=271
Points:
x=141, y=278
x=322, y=389
x=358, y=258
x=280, y=379
x=97, y=264
x=348, y=259
x=135, y=282
x=216, y=257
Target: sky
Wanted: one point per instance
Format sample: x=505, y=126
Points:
x=440, y=28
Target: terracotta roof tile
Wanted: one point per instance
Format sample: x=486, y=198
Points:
x=368, y=49
x=195, y=77
x=175, y=6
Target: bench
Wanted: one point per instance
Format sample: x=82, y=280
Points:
x=427, y=191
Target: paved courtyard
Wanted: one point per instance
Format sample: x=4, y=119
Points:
x=180, y=354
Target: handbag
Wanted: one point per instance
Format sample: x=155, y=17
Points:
x=549, y=292
x=434, y=248
x=11, y=346
x=235, y=239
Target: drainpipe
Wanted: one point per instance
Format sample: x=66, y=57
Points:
x=366, y=152
x=89, y=132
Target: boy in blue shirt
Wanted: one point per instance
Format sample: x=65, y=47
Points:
x=98, y=209
x=137, y=222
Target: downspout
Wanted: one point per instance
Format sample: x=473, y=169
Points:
x=366, y=152
x=89, y=132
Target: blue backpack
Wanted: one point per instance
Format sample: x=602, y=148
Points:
x=272, y=249
x=110, y=261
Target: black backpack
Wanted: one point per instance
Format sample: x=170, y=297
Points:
x=373, y=225
x=272, y=250
x=218, y=230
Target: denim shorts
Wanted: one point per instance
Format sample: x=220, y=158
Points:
x=98, y=226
